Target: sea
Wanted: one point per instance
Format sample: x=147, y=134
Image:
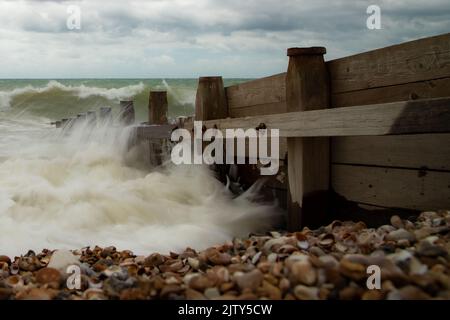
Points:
x=71, y=189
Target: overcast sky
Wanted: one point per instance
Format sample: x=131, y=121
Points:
x=191, y=38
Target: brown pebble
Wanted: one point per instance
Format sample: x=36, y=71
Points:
x=200, y=283
x=5, y=259
x=49, y=276
x=192, y=294
x=5, y=293
x=250, y=280
x=218, y=258
x=303, y=272
x=154, y=260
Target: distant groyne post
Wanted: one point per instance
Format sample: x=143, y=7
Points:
x=157, y=115
x=127, y=114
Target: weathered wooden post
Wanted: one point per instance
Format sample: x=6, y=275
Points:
x=307, y=88
x=127, y=115
x=158, y=108
x=211, y=103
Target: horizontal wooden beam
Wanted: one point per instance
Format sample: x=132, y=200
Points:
x=406, y=117
x=155, y=131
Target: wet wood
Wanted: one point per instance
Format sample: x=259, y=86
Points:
x=407, y=151
x=393, y=188
x=406, y=117
x=307, y=88
x=419, y=60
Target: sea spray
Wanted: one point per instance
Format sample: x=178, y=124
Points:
x=84, y=187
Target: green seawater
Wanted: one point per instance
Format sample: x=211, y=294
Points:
x=62, y=98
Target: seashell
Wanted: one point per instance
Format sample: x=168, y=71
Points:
x=256, y=257
x=273, y=244
x=306, y=293
x=304, y=245
x=327, y=240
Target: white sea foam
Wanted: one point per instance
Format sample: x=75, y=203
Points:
x=81, y=91
x=84, y=189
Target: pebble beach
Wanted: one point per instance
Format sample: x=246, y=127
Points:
x=328, y=263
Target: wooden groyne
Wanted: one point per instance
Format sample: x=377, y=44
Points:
x=365, y=133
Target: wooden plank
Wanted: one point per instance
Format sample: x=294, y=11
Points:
x=409, y=151
x=421, y=116
x=411, y=91
x=260, y=109
x=155, y=131
x=393, y=188
x=307, y=88
x=414, y=61
x=261, y=91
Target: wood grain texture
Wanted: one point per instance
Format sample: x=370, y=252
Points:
x=414, y=61
x=269, y=90
x=410, y=117
x=260, y=109
x=211, y=101
x=307, y=88
x=409, y=151
x=155, y=131
x=392, y=188
x=158, y=107
x=403, y=92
